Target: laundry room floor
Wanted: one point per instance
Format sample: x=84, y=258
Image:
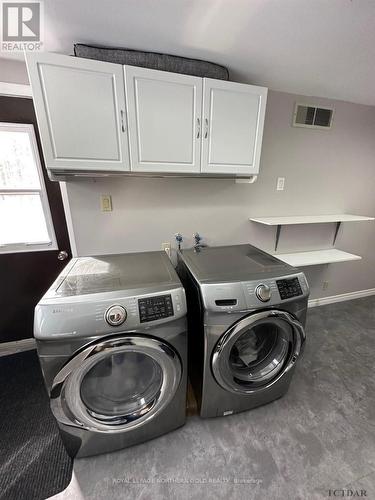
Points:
x=319, y=437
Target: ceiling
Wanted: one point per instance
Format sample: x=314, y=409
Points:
x=313, y=47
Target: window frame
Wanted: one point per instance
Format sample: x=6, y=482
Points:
x=42, y=192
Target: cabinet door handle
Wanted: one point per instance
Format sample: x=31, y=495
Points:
x=198, y=128
x=122, y=120
x=206, y=129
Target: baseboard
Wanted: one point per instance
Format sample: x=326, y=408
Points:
x=341, y=298
x=7, y=348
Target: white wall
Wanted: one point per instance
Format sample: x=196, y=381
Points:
x=329, y=171
x=13, y=71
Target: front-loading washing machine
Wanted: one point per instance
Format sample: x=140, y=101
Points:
x=111, y=336
x=246, y=316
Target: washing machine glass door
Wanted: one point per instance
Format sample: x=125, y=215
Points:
x=257, y=351
x=116, y=384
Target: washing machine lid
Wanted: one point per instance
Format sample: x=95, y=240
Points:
x=111, y=273
x=233, y=263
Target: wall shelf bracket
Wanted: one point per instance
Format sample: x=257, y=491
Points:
x=278, y=231
x=338, y=224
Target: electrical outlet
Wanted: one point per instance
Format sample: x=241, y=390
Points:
x=166, y=246
x=280, y=184
x=325, y=285
x=106, y=202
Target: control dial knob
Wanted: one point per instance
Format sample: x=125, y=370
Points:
x=115, y=315
x=263, y=292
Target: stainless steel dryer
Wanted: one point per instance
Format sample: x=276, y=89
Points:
x=112, y=342
x=246, y=314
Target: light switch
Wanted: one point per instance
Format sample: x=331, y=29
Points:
x=106, y=202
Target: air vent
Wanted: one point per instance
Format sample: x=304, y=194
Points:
x=309, y=116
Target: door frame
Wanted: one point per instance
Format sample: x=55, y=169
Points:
x=23, y=284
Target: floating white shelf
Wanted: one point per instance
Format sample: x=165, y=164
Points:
x=316, y=257
x=309, y=219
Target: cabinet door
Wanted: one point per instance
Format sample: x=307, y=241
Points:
x=80, y=106
x=232, y=129
x=164, y=120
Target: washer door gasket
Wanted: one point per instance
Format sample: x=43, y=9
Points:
x=116, y=384
x=257, y=351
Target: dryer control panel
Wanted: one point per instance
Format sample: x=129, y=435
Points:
x=261, y=292
x=289, y=288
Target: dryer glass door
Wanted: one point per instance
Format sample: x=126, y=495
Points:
x=116, y=384
x=257, y=351
x=122, y=383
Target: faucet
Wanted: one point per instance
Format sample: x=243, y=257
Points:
x=198, y=245
x=179, y=239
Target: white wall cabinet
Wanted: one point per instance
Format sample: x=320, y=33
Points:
x=80, y=106
x=233, y=115
x=95, y=116
x=164, y=113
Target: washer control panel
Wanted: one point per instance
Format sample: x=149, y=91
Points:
x=153, y=308
x=115, y=315
x=73, y=316
x=289, y=288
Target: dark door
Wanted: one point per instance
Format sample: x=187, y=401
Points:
x=33, y=229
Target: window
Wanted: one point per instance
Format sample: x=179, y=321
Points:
x=25, y=217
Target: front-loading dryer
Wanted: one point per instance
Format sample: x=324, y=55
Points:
x=112, y=342
x=246, y=315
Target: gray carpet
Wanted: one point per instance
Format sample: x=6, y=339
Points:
x=33, y=462
x=320, y=436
